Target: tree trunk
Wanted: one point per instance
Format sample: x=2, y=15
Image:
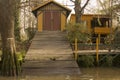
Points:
x=10, y=65
x=78, y=11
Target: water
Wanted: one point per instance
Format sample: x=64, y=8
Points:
x=100, y=74
x=87, y=74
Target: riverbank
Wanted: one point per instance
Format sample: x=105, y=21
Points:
x=105, y=60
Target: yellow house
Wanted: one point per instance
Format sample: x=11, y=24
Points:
x=96, y=23
x=51, y=16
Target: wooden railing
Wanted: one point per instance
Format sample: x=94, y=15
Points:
x=76, y=48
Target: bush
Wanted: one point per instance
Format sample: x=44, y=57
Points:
x=116, y=61
x=86, y=61
x=104, y=61
x=117, y=40
x=77, y=30
x=21, y=56
x=107, y=61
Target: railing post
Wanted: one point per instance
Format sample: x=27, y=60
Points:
x=97, y=49
x=76, y=49
x=99, y=37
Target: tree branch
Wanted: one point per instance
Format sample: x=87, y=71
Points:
x=102, y=5
x=72, y=1
x=84, y=5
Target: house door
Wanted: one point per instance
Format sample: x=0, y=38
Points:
x=52, y=21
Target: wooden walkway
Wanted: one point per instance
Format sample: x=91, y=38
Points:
x=93, y=52
x=50, y=54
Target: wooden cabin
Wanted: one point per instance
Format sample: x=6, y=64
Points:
x=51, y=16
x=99, y=24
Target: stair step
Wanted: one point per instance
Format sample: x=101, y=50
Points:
x=51, y=71
x=53, y=64
x=50, y=53
x=49, y=57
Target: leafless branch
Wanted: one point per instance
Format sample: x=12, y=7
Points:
x=102, y=5
x=85, y=5
x=72, y=1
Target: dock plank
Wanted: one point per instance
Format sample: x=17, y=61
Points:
x=50, y=54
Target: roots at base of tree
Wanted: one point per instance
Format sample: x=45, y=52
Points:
x=10, y=65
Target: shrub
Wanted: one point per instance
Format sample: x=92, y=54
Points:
x=77, y=30
x=107, y=61
x=116, y=61
x=86, y=61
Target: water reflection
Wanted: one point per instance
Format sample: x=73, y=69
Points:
x=101, y=73
x=87, y=74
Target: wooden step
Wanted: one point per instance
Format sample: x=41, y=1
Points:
x=50, y=54
x=50, y=71
x=53, y=64
x=41, y=57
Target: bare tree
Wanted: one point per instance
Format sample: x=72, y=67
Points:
x=111, y=8
x=79, y=9
x=10, y=65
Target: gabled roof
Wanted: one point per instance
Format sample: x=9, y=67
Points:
x=34, y=10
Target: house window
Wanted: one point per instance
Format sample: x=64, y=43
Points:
x=100, y=22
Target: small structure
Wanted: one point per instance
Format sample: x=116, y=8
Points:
x=51, y=16
x=97, y=23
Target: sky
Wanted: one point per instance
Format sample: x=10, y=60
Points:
x=91, y=7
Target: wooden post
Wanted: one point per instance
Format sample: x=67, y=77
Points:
x=76, y=48
x=97, y=49
x=99, y=37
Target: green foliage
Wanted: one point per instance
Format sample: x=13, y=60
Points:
x=86, y=61
x=117, y=40
x=20, y=57
x=17, y=33
x=114, y=39
x=116, y=61
x=16, y=24
x=107, y=61
x=109, y=38
x=77, y=30
x=104, y=61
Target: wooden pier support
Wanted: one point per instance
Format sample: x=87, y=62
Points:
x=97, y=50
x=76, y=49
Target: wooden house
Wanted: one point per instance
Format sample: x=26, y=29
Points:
x=51, y=16
x=96, y=23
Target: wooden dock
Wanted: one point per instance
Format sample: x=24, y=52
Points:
x=93, y=52
x=50, y=54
